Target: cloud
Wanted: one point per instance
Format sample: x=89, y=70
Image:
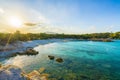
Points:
x=112, y=27
x=1, y=10
x=92, y=28
x=30, y=24
x=36, y=16
x=45, y=28
x=109, y=28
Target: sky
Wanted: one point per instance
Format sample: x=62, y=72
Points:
x=60, y=16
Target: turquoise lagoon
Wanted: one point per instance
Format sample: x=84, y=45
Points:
x=83, y=60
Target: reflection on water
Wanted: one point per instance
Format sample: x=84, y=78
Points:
x=83, y=60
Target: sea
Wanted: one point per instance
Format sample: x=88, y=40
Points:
x=82, y=60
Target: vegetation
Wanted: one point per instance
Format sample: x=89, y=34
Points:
x=17, y=36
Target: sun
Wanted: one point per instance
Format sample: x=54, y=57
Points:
x=15, y=21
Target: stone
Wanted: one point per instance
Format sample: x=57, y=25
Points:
x=51, y=57
x=41, y=70
x=34, y=75
x=45, y=74
x=60, y=60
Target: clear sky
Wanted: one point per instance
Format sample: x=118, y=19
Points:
x=60, y=16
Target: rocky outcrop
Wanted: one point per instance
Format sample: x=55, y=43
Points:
x=35, y=75
x=102, y=40
x=11, y=72
x=51, y=57
x=60, y=60
x=26, y=52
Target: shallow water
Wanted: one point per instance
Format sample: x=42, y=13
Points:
x=83, y=60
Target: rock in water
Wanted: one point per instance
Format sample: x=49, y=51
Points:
x=11, y=72
x=60, y=60
x=41, y=70
x=35, y=75
x=51, y=57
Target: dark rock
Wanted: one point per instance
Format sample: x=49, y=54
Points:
x=60, y=60
x=30, y=52
x=27, y=52
x=51, y=57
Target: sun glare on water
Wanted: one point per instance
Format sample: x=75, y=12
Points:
x=15, y=21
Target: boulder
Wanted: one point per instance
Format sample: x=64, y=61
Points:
x=35, y=75
x=51, y=57
x=60, y=60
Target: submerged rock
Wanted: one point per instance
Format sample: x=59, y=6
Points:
x=41, y=70
x=11, y=72
x=51, y=57
x=106, y=65
x=35, y=75
x=45, y=74
x=60, y=60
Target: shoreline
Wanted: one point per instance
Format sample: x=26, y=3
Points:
x=67, y=61
x=20, y=46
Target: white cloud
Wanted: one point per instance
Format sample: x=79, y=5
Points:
x=1, y=10
x=92, y=29
x=112, y=27
x=36, y=16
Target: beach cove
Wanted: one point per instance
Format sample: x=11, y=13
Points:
x=86, y=60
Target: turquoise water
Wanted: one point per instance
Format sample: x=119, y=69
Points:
x=83, y=60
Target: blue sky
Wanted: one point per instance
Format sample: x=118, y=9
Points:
x=66, y=16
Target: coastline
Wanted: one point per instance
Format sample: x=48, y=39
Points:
x=11, y=49
x=20, y=46
x=68, y=61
